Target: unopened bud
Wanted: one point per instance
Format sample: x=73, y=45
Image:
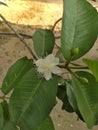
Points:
x=83, y=79
x=75, y=51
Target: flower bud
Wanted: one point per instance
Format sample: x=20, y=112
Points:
x=75, y=51
x=83, y=79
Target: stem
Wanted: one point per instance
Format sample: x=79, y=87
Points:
x=19, y=36
x=72, y=73
x=69, y=70
x=56, y=23
x=4, y=97
x=14, y=35
x=62, y=65
x=65, y=65
x=82, y=67
x=58, y=37
x=83, y=79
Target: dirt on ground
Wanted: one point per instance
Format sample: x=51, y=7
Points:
x=26, y=16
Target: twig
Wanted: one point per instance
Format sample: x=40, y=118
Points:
x=58, y=37
x=3, y=3
x=56, y=23
x=19, y=36
x=14, y=35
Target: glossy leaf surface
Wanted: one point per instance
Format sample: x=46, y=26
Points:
x=79, y=28
x=87, y=97
x=44, y=41
x=72, y=99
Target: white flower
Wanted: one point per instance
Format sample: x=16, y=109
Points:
x=48, y=66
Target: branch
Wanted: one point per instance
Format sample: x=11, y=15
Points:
x=82, y=67
x=19, y=36
x=56, y=23
x=65, y=65
x=14, y=35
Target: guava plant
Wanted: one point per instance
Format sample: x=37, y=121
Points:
x=33, y=84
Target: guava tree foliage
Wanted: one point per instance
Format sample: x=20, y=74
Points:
x=33, y=84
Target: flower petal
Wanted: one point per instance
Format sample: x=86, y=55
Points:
x=40, y=70
x=39, y=62
x=49, y=57
x=53, y=60
x=56, y=61
x=47, y=66
x=47, y=75
x=56, y=70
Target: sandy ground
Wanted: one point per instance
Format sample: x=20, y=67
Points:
x=26, y=16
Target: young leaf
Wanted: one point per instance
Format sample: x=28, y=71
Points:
x=93, y=66
x=44, y=41
x=15, y=73
x=32, y=100
x=79, y=28
x=1, y=117
x=87, y=97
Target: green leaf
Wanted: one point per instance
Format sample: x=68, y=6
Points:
x=62, y=95
x=15, y=73
x=72, y=99
x=93, y=66
x=79, y=28
x=87, y=97
x=1, y=117
x=44, y=41
x=9, y=126
x=71, y=96
x=32, y=100
x=5, y=111
x=47, y=124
